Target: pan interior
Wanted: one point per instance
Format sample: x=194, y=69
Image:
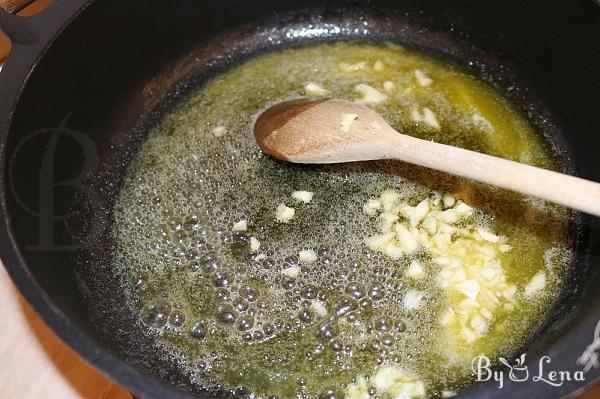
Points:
x=193, y=206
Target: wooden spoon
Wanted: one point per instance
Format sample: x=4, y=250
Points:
x=332, y=131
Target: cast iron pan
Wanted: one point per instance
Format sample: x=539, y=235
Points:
x=87, y=79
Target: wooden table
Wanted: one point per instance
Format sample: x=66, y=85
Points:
x=34, y=363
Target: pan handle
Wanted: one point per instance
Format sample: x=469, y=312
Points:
x=14, y=6
x=20, y=30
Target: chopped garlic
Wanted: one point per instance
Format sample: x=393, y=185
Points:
x=240, y=226
x=219, y=131
x=427, y=117
x=468, y=335
x=490, y=273
x=388, y=197
x=393, y=250
x=346, y=122
x=470, y=288
x=448, y=317
x=254, y=244
x=396, y=383
x=379, y=242
x=464, y=209
x=387, y=220
x=406, y=238
x=430, y=224
x=284, y=213
x=448, y=394
x=417, y=213
x=415, y=270
x=535, y=285
x=378, y=66
x=292, y=271
x=371, y=207
x=482, y=123
x=479, y=324
x=389, y=86
x=487, y=236
x=412, y=300
x=458, y=276
x=357, y=390
x=346, y=67
x=486, y=313
x=448, y=200
x=319, y=307
x=423, y=79
x=430, y=119
x=449, y=216
x=260, y=257
x=469, y=264
x=313, y=89
x=370, y=95
x=304, y=196
x=307, y=256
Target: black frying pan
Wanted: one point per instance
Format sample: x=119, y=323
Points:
x=87, y=79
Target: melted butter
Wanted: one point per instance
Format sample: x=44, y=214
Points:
x=240, y=318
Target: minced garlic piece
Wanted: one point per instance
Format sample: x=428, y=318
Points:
x=416, y=213
x=422, y=79
x=412, y=299
x=319, y=307
x=219, y=131
x=394, y=382
x=406, y=239
x=284, y=213
x=371, y=207
x=470, y=288
x=313, y=89
x=535, y=285
x=346, y=67
x=482, y=123
x=487, y=236
x=430, y=225
x=370, y=95
x=389, y=86
x=427, y=117
x=378, y=66
x=357, y=390
x=346, y=122
x=304, y=196
x=448, y=200
x=260, y=257
x=242, y=225
x=415, y=270
x=307, y=256
x=254, y=244
x=292, y=271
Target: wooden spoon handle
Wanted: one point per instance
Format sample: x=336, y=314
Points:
x=570, y=191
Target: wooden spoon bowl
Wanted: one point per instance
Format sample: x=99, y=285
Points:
x=333, y=131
